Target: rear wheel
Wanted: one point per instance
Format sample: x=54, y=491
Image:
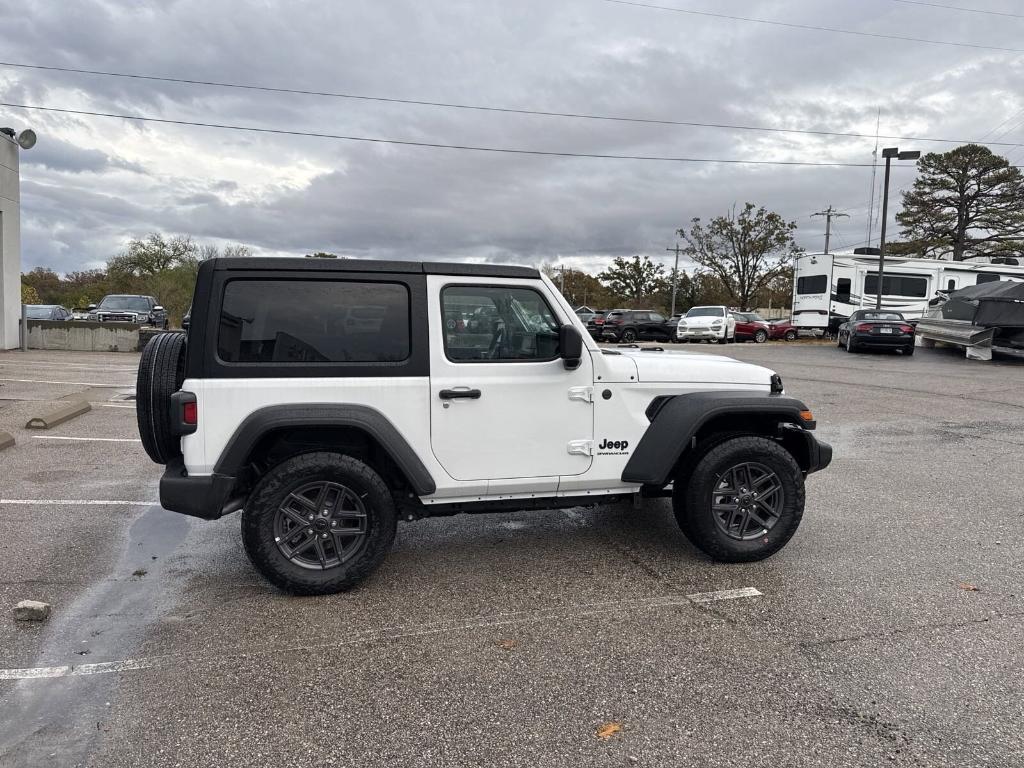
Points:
x=319, y=523
x=790, y=336
x=743, y=501
x=908, y=350
x=161, y=371
x=628, y=336
x=851, y=346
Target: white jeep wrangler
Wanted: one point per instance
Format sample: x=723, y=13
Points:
x=329, y=398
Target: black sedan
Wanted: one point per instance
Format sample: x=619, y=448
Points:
x=877, y=329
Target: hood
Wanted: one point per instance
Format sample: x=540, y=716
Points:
x=702, y=322
x=694, y=368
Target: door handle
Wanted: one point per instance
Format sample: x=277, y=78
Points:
x=452, y=394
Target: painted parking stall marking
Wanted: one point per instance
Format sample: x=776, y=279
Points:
x=89, y=439
x=80, y=502
x=723, y=594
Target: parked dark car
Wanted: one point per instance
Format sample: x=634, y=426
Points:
x=129, y=308
x=629, y=325
x=782, y=329
x=46, y=312
x=877, y=329
x=750, y=326
x=595, y=324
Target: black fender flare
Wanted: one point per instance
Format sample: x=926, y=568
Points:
x=374, y=423
x=675, y=420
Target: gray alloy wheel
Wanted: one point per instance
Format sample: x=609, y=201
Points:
x=761, y=336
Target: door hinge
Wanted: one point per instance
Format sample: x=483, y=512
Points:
x=581, y=447
x=585, y=394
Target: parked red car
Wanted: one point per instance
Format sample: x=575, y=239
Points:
x=750, y=326
x=782, y=329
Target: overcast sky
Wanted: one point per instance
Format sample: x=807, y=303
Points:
x=91, y=183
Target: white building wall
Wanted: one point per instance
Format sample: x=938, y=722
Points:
x=10, y=244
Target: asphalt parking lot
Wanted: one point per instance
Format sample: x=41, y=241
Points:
x=889, y=631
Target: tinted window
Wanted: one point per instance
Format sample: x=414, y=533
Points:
x=131, y=303
x=876, y=315
x=498, y=324
x=313, y=321
x=812, y=284
x=896, y=285
x=706, y=312
x=657, y=318
x=843, y=285
x=988, y=277
x=39, y=313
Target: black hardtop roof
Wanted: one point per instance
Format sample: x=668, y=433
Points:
x=274, y=263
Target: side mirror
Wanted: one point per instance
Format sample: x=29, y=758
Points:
x=158, y=308
x=91, y=307
x=570, y=342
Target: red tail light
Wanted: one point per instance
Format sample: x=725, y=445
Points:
x=863, y=327
x=906, y=329
x=190, y=413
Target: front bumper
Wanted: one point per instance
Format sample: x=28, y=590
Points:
x=699, y=334
x=205, y=496
x=811, y=453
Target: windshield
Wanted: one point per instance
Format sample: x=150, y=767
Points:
x=706, y=312
x=133, y=303
x=755, y=318
x=39, y=313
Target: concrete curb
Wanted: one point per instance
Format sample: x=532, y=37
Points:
x=6, y=440
x=59, y=416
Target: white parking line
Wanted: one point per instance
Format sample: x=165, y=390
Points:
x=74, y=383
x=112, y=405
x=81, y=502
x=89, y=439
x=724, y=594
x=69, y=670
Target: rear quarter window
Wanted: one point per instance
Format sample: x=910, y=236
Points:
x=313, y=321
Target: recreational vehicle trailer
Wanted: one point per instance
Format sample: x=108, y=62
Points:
x=827, y=287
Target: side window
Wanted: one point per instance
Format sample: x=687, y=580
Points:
x=987, y=277
x=951, y=285
x=639, y=317
x=657, y=318
x=497, y=324
x=313, y=321
x=843, y=285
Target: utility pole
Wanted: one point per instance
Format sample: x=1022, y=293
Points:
x=675, y=278
x=828, y=213
x=561, y=271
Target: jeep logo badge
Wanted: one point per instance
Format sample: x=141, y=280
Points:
x=613, y=446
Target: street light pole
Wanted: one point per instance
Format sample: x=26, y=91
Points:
x=675, y=278
x=888, y=153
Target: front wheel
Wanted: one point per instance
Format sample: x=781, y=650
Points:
x=319, y=523
x=743, y=501
x=761, y=337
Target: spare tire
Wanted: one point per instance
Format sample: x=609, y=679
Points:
x=161, y=371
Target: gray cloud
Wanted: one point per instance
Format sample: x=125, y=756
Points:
x=294, y=195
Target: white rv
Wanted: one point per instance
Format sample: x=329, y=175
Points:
x=827, y=287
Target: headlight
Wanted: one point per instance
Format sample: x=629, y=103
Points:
x=717, y=325
x=681, y=326
x=92, y=316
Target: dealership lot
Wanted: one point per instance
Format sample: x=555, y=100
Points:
x=888, y=631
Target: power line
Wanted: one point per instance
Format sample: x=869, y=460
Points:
x=434, y=145
x=958, y=8
x=485, y=108
x=811, y=27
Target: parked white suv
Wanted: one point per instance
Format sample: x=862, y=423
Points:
x=707, y=324
x=326, y=431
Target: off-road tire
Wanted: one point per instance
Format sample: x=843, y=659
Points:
x=761, y=337
x=263, y=503
x=161, y=371
x=691, y=499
